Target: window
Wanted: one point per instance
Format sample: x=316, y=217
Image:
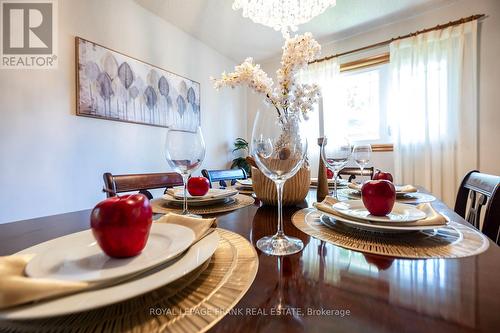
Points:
x=359, y=102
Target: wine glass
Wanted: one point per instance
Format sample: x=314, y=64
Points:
x=361, y=154
x=335, y=153
x=279, y=151
x=185, y=150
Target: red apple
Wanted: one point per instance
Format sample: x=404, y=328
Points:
x=380, y=175
x=198, y=186
x=121, y=224
x=378, y=196
x=329, y=173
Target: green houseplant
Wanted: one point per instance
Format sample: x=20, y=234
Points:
x=241, y=146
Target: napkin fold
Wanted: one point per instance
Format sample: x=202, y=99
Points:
x=406, y=189
x=213, y=193
x=16, y=288
x=199, y=225
x=433, y=217
x=399, y=188
x=245, y=182
x=354, y=186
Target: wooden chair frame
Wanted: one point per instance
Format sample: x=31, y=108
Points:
x=114, y=184
x=481, y=190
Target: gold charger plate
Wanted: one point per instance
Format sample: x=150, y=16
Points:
x=194, y=303
x=455, y=240
x=160, y=206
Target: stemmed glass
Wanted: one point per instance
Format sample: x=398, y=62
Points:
x=279, y=151
x=335, y=153
x=185, y=150
x=361, y=154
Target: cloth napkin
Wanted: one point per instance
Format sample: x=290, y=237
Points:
x=433, y=217
x=198, y=225
x=213, y=193
x=245, y=182
x=399, y=188
x=16, y=288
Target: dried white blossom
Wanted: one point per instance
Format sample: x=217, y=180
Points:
x=297, y=53
x=292, y=98
x=250, y=74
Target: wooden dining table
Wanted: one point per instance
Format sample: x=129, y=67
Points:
x=326, y=288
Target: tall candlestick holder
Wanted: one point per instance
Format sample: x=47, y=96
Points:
x=322, y=190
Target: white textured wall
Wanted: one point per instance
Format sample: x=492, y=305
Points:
x=488, y=71
x=52, y=161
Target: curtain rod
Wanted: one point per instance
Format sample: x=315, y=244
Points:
x=386, y=42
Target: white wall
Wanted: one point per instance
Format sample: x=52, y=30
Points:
x=52, y=161
x=489, y=69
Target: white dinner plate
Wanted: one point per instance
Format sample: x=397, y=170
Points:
x=93, y=299
x=244, y=190
x=399, y=192
x=213, y=193
x=78, y=257
x=415, y=198
x=408, y=198
x=199, y=203
x=400, y=212
x=329, y=220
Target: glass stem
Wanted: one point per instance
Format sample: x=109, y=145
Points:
x=185, y=177
x=361, y=174
x=336, y=175
x=280, y=283
x=279, y=189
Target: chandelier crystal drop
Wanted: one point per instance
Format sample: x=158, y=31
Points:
x=284, y=15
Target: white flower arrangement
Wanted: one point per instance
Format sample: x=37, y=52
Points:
x=290, y=98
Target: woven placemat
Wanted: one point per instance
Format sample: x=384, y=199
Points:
x=161, y=206
x=453, y=241
x=193, y=303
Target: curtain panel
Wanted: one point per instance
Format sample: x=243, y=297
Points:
x=433, y=108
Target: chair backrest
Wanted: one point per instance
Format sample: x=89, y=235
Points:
x=478, y=190
x=222, y=176
x=353, y=172
x=114, y=184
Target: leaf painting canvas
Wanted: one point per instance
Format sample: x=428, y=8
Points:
x=111, y=85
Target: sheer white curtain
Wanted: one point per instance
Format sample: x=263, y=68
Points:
x=433, y=108
x=325, y=74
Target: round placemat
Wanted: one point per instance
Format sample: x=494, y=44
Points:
x=161, y=206
x=193, y=303
x=453, y=241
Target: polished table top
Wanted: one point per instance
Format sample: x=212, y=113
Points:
x=326, y=288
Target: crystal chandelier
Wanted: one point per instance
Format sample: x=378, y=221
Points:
x=284, y=15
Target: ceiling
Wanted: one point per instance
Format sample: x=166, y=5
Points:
x=215, y=23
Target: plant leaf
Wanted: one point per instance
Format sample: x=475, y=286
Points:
x=181, y=105
x=150, y=97
x=105, y=86
x=125, y=75
x=163, y=86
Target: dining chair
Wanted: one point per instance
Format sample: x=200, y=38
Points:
x=476, y=191
x=114, y=184
x=222, y=176
x=352, y=172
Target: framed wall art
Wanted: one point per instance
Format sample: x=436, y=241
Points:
x=114, y=86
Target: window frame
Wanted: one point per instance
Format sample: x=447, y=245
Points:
x=367, y=62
